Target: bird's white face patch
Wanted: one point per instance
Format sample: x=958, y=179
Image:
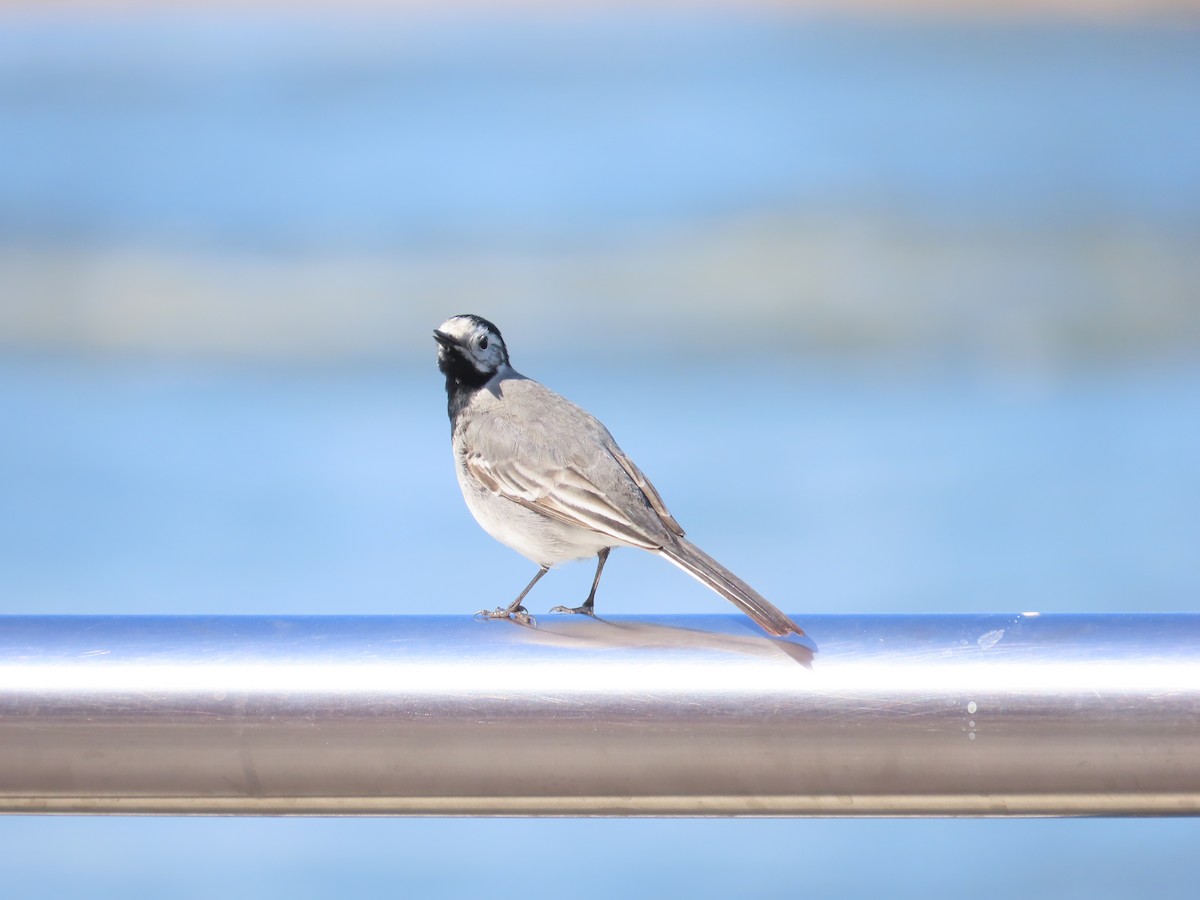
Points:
x=478, y=342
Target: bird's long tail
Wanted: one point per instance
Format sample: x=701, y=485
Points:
x=707, y=570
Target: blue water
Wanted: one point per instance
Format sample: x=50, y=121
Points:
x=163, y=487
x=254, y=132
x=155, y=487
x=209, y=858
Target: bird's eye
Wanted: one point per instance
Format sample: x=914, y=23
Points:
x=483, y=342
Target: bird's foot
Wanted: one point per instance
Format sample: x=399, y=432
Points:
x=521, y=616
x=585, y=610
x=518, y=614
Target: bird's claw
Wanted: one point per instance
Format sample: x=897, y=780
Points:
x=518, y=614
x=522, y=617
x=577, y=610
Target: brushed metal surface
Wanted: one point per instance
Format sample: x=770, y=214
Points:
x=895, y=715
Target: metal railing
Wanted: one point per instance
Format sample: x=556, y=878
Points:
x=909, y=715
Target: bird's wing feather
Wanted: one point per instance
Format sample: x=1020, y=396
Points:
x=564, y=493
x=646, y=488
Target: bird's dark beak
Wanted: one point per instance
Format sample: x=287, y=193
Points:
x=444, y=339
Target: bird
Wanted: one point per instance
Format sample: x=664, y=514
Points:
x=545, y=478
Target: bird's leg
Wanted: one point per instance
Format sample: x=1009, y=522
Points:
x=589, y=605
x=515, y=610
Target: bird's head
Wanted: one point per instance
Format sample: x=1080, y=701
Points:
x=470, y=349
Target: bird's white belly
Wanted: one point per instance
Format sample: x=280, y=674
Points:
x=539, y=538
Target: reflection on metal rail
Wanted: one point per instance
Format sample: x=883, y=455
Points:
x=911, y=715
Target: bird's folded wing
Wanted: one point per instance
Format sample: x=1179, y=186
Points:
x=565, y=494
x=646, y=488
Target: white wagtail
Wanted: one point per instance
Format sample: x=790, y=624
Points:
x=547, y=479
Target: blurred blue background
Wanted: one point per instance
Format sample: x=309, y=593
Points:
x=900, y=312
